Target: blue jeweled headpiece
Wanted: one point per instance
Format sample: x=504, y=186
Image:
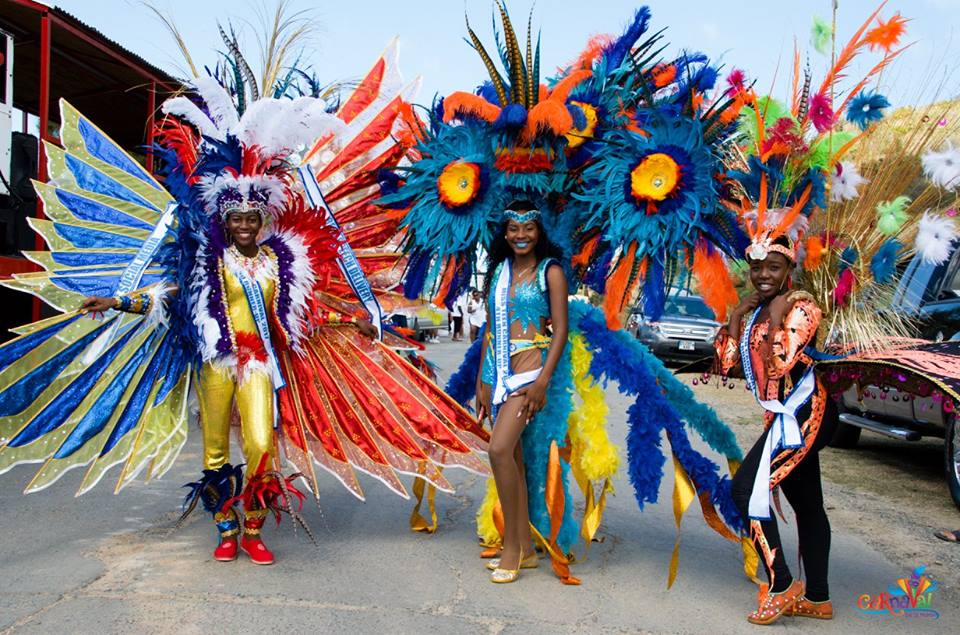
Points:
x=521, y=217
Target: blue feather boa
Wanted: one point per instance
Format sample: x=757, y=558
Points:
x=550, y=424
x=661, y=402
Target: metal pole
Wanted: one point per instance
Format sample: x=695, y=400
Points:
x=44, y=122
x=151, y=106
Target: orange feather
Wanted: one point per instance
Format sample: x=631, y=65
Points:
x=714, y=282
x=562, y=90
x=848, y=52
x=548, y=116
x=616, y=288
x=461, y=103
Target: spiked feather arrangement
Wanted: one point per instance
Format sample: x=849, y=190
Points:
x=852, y=244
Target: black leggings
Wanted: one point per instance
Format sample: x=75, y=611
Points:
x=804, y=492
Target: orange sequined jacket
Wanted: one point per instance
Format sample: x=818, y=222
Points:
x=787, y=363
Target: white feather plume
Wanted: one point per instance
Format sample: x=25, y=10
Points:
x=845, y=181
x=212, y=186
x=280, y=126
x=935, y=236
x=943, y=167
x=185, y=109
x=218, y=101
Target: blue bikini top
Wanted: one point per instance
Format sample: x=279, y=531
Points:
x=530, y=302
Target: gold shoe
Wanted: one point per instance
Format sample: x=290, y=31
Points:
x=504, y=576
x=530, y=562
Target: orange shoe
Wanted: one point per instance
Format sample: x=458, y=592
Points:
x=774, y=605
x=815, y=610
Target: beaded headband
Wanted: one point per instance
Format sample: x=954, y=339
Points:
x=522, y=217
x=762, y=246
x=232, y=201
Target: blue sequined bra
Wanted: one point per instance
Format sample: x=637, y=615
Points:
x=529, y=305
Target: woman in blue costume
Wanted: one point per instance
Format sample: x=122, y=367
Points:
x=527, y=293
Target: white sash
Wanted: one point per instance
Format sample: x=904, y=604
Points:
x=784, y=433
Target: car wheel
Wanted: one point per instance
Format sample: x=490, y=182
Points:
x=845, y=436
x=951, y=455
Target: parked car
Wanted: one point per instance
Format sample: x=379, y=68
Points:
x=684, y=333
x=906, y=393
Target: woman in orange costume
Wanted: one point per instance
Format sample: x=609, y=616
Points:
x=766, y=339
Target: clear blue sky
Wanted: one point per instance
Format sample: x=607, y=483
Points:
x=350, y=33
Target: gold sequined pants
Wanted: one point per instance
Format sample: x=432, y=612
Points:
x=254, y=399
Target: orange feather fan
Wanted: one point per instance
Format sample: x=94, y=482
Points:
x=548, y=116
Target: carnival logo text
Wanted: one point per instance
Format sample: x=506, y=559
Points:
x=909, y=597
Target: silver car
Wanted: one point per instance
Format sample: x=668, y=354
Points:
x=684, y=333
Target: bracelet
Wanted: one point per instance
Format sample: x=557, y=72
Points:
x=134, y=303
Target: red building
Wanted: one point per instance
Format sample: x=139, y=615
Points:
x=54, y=56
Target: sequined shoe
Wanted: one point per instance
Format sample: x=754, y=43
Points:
x=815, y=610
x=528, y=562
x=774, y=605
x=251, y=543
x=504, y=576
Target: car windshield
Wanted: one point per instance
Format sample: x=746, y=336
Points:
x=687, y=307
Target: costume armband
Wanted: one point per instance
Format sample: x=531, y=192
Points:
x=136, y=302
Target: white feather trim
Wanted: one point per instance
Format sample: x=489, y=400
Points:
x=218, y=101
x=159, y=312
x=185, y=109
x=843, y=186
x=207, y=326
x=943, y=167
x=935, y=236
x=212, y=186
x=301, y=287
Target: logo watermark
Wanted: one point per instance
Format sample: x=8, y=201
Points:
x=911, y=596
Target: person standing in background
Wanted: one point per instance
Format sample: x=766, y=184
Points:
x=476, y=314
x=458, y=313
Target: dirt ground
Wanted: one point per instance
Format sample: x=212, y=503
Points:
x=890, y=493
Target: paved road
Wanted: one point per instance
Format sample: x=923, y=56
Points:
x=111, y=564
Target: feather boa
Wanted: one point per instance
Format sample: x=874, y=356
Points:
x=550, y=424
x=487, y=530
x=661, y=401
x=595, y=456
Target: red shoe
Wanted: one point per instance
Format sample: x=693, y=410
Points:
x=228, y=527
x=258, y=552
x=251, y=543
x=226, y=551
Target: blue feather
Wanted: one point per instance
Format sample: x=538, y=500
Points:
x=884, y=263
x=654, y=294
x=462, y=384
x=513, y=117
x=415, y=277
x=617, y=51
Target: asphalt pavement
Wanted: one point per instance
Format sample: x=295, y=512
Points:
x=115, y=564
